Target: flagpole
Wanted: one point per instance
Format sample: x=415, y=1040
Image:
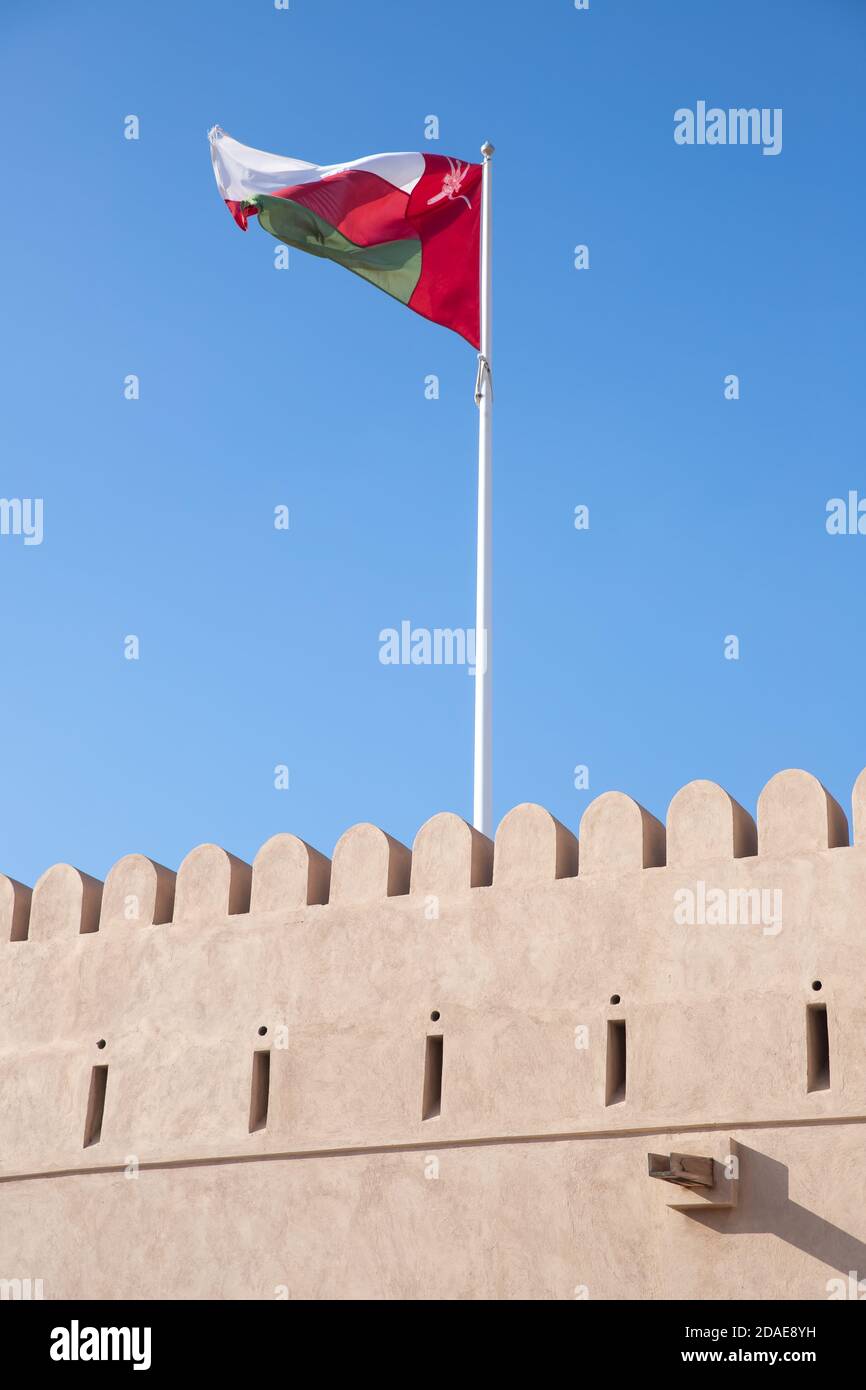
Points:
x=483, y=781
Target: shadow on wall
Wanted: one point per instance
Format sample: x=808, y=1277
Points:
x=764, y=1189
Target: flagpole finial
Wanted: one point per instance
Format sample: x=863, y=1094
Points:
x=487, y=149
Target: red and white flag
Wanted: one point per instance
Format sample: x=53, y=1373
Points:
x=408, y=223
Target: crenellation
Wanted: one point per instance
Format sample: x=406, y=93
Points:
x=858, y=809
x=137, y=891
x=211, y=883
x=369, y=864
x=15, y=900
x=65, y=903
x=532, y=846
x=704, y=822
x=449, y=856
x=617, y=834
x=289, y=874
x=796, y=814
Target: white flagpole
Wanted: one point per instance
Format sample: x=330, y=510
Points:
x=483, y=783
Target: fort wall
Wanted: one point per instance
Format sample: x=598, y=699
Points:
x=438, y=1073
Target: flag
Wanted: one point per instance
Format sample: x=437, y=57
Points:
x=408, y=223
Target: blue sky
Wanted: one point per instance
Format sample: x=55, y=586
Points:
x=306, y=388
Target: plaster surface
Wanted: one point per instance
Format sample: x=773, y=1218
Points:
x=531, y=1181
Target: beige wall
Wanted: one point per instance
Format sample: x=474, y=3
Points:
x=527, y=1184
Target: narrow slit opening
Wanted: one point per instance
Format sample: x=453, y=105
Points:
x=431, y=1101
x=260, y=1090
x=817, y=1048
x=95, y=1106
x=614, y=1086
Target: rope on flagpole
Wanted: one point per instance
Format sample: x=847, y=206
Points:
x=483, y=367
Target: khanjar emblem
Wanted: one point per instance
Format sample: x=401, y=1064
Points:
x=451, y=184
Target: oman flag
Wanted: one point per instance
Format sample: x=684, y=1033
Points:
x=408, y=223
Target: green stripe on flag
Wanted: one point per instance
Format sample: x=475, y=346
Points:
x=394, y=266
